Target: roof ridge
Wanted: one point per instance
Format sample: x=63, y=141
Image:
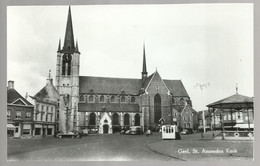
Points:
x=111, y=77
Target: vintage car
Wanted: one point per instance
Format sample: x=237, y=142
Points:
x=69, y=135
x=136, y=130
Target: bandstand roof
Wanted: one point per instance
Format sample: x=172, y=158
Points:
x=235, y=101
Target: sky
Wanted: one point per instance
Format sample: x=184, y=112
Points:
x=200, y=44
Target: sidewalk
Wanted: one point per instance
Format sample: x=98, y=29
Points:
x=192, y=147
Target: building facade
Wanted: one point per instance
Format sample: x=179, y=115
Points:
x=19, y=114
x=105, y=104
x=46, y=110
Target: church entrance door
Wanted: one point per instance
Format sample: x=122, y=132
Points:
x=105, y=129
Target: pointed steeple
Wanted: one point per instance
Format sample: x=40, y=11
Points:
x=236, y=89
x=69, y=37
x=144, y=71
x=59, y=46
x=77, y=49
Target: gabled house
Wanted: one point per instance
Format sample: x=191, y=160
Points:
x=46, y=110
x=19, y=114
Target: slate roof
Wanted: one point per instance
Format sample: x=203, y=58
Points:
x=13, y=95
x=47, y=92
x=110, y=107
x=234, y=101
x=147, y=80
x=107, y=85
x=176, y=87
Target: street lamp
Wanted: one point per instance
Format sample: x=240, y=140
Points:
x=202, y=87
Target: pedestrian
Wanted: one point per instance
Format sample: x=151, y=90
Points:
x=148, y=132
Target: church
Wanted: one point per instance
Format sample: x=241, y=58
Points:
x=107, y=105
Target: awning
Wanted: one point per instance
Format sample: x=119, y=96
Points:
x=10, y=126
x=244, y=126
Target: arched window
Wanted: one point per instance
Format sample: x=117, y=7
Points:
x=112, y=99
x=102, y=99
x=81, y=98
x=92, y=119
x=66, y=64
x=137, y=119
x=126, y=119
x=115, y=119
x=91, y=99
x=157, y=109
x=123, y=99
x=132, y=99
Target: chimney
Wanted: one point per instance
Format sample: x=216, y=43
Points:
x=10, y=84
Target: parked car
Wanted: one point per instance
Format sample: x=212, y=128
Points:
x=185, y=131
x=85, y=132
x=136, y=130
x=190, y=130
x=93, y=131
x=69, y=135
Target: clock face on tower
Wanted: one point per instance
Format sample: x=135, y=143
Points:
x=67, y=57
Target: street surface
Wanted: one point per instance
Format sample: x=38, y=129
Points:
x=116, y=147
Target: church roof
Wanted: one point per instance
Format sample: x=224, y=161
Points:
x=107, y=85
x=176, y=87
x=13, y=95
x=110, y=107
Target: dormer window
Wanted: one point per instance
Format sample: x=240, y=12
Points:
x=112, y=99
x=81, y=98
x=91, y=99
x=122, y=100
x=102, y=99
x=132, y=99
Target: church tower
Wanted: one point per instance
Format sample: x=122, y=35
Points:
x=67, y=79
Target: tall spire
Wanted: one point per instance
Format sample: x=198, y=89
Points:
x=236, y=89
x=144, y=72
x=69, y=37
x=59, y=46
x=77, y=49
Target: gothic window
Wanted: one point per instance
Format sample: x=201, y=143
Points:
x=126, y=119
x=157, y=108
x=91, y=99
x=66, y=64
x=112, y=99
x=115, y=119
x=81, y=98
x=102, y=99
x=137, y=119
x=92, y=119
x=132, y=99
x=123, y=99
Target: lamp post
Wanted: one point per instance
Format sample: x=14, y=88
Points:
x=202, y=87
